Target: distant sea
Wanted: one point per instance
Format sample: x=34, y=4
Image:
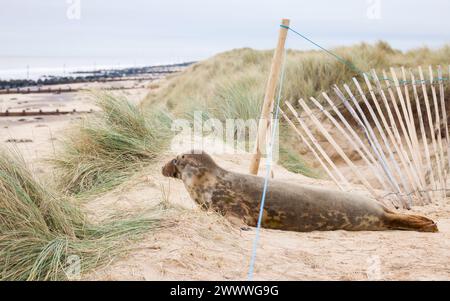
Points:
x=34, y=68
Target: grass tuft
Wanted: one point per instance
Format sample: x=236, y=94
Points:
x=232, y=84
x=40, y=231
x=104, y=150
x=293, y=162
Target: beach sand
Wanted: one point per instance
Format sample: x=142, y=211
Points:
x=36, y=136
x=204, y=246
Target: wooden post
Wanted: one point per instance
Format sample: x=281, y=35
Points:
x=264, y=121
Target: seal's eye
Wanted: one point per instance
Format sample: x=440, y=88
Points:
x=174, y=161
x=182, y=157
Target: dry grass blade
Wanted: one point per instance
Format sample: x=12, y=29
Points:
x=40, y=230
x=104, y=150
x=231, y=84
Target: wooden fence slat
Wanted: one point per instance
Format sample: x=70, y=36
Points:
x=424, y=135
x=317, y=145
x=381, y=128
x=352, y=143
x=409, y=126
x=338, y=149
x=440, y=152
x=409, y=162
x=444, y=113
x=372, y=139
x=430, y=125
x=316, y=155
x=395, y=137
x=392, y=163
x=413, y=132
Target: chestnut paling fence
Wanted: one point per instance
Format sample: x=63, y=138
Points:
x=396, y=125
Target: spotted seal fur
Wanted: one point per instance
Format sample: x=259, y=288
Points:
x=292, y=207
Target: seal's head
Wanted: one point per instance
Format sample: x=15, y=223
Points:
x=192, y=163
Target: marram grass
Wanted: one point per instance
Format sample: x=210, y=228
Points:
x=307, y=73
x=40, y=231
x=232, y=84
x=105, y=149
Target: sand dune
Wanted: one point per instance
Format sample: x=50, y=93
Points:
x=204, y=246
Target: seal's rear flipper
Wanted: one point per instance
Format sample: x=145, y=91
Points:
x=410, y=222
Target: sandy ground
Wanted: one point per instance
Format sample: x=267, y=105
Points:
x=204, y=246
x=36, y=136
x=81, y=100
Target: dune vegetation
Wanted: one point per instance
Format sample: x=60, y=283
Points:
x=232, y=84
x=42, y=231
x=103, y=150
x=242, y=73
x=41, y=228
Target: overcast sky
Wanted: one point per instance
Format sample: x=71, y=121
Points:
x=178, y=30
